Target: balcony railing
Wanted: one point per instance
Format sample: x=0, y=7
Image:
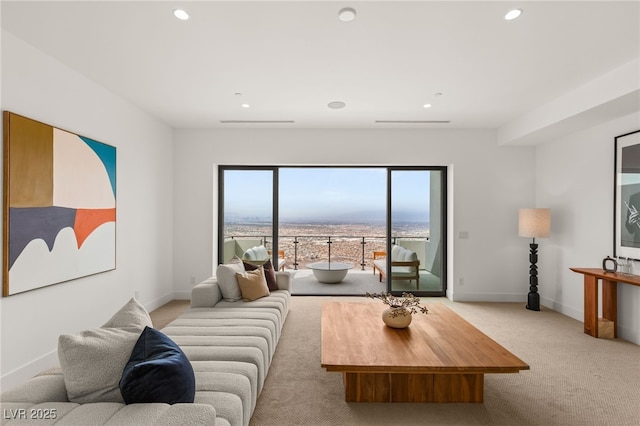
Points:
x=300, y=250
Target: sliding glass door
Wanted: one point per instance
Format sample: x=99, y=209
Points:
x=348, y=215
x=416, y=231
x=248, y=206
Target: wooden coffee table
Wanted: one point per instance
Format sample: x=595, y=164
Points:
x=440, y=357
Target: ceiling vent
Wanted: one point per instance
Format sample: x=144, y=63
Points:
x=412, y=121
x=257, y=121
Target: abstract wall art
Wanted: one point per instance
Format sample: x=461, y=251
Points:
x=627, y=196
x=59, y=205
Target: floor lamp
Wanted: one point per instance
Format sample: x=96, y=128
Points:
x=534, y=223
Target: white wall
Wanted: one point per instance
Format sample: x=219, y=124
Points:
x=575, y=178
x=39, y=87
x=490, y=183
x=167, y=204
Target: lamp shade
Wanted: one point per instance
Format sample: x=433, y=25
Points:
x=534, y=223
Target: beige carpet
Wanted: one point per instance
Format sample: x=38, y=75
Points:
x=574, y=378
x=168, y=312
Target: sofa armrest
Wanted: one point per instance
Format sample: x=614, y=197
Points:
x=379, y=254
x=39, y=389
x=206, y=294
x=283, y=279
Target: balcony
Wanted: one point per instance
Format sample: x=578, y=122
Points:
x=302, y=250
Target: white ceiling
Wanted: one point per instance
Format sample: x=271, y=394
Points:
x=290, y=59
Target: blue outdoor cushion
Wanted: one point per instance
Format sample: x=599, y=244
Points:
x=157, y=371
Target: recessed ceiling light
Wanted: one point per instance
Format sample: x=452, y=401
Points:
x=245, y=105
x=180, y=14
x=513, y=14
x=336, y=105
x=347, y=14
x=427, y=105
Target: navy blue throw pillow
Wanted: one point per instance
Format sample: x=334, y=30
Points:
x=157, y=371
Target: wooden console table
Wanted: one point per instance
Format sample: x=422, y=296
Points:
x=592, y=325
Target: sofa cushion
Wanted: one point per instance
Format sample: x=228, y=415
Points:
x=395, y=252
x=410, y=256
x=38, y=389
x=401, y=254
x=176, y=332
x=203, y=384
x=269, y=273
x=227, y=281
x=157, y=371
x=92, y=360
x=253, y=284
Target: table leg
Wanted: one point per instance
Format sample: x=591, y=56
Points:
x=610, y=303
x=591, y=305
x=401, y=387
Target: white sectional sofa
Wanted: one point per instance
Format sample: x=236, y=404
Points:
x=229, y=343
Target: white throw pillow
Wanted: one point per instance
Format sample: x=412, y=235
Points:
x=227, y=281
x=261, y=253
x=395, y=253
x=250, y=254
x=256, y=256
x=92, y=361
x=132, y=314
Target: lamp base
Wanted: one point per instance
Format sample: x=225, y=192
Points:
x=533, y=301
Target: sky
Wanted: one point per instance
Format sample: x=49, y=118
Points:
x=327, y=193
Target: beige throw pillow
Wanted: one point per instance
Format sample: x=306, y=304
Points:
x=253, y=284
x=131, y=315
x=227, y=282
x=92, y=361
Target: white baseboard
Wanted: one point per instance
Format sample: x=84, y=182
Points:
x=176, y=295
x=625, y=333
x=449, y=293
x=487, y=297
x=27, y=371
x=182, y=295
x=563, y=309
x=155, y=304
x=628, y=334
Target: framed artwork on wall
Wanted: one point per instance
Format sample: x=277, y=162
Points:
x=626, y=213
x=59, y=205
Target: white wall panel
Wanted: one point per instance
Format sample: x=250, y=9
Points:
x=39, y=87
x=575, y=178
x=490, y=184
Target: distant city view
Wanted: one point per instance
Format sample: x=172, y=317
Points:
x=327, y=227
x=313, y=237
x=346, y=206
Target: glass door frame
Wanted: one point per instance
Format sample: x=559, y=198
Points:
x=443, y=226
x=274, y=210
x=390, y=169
